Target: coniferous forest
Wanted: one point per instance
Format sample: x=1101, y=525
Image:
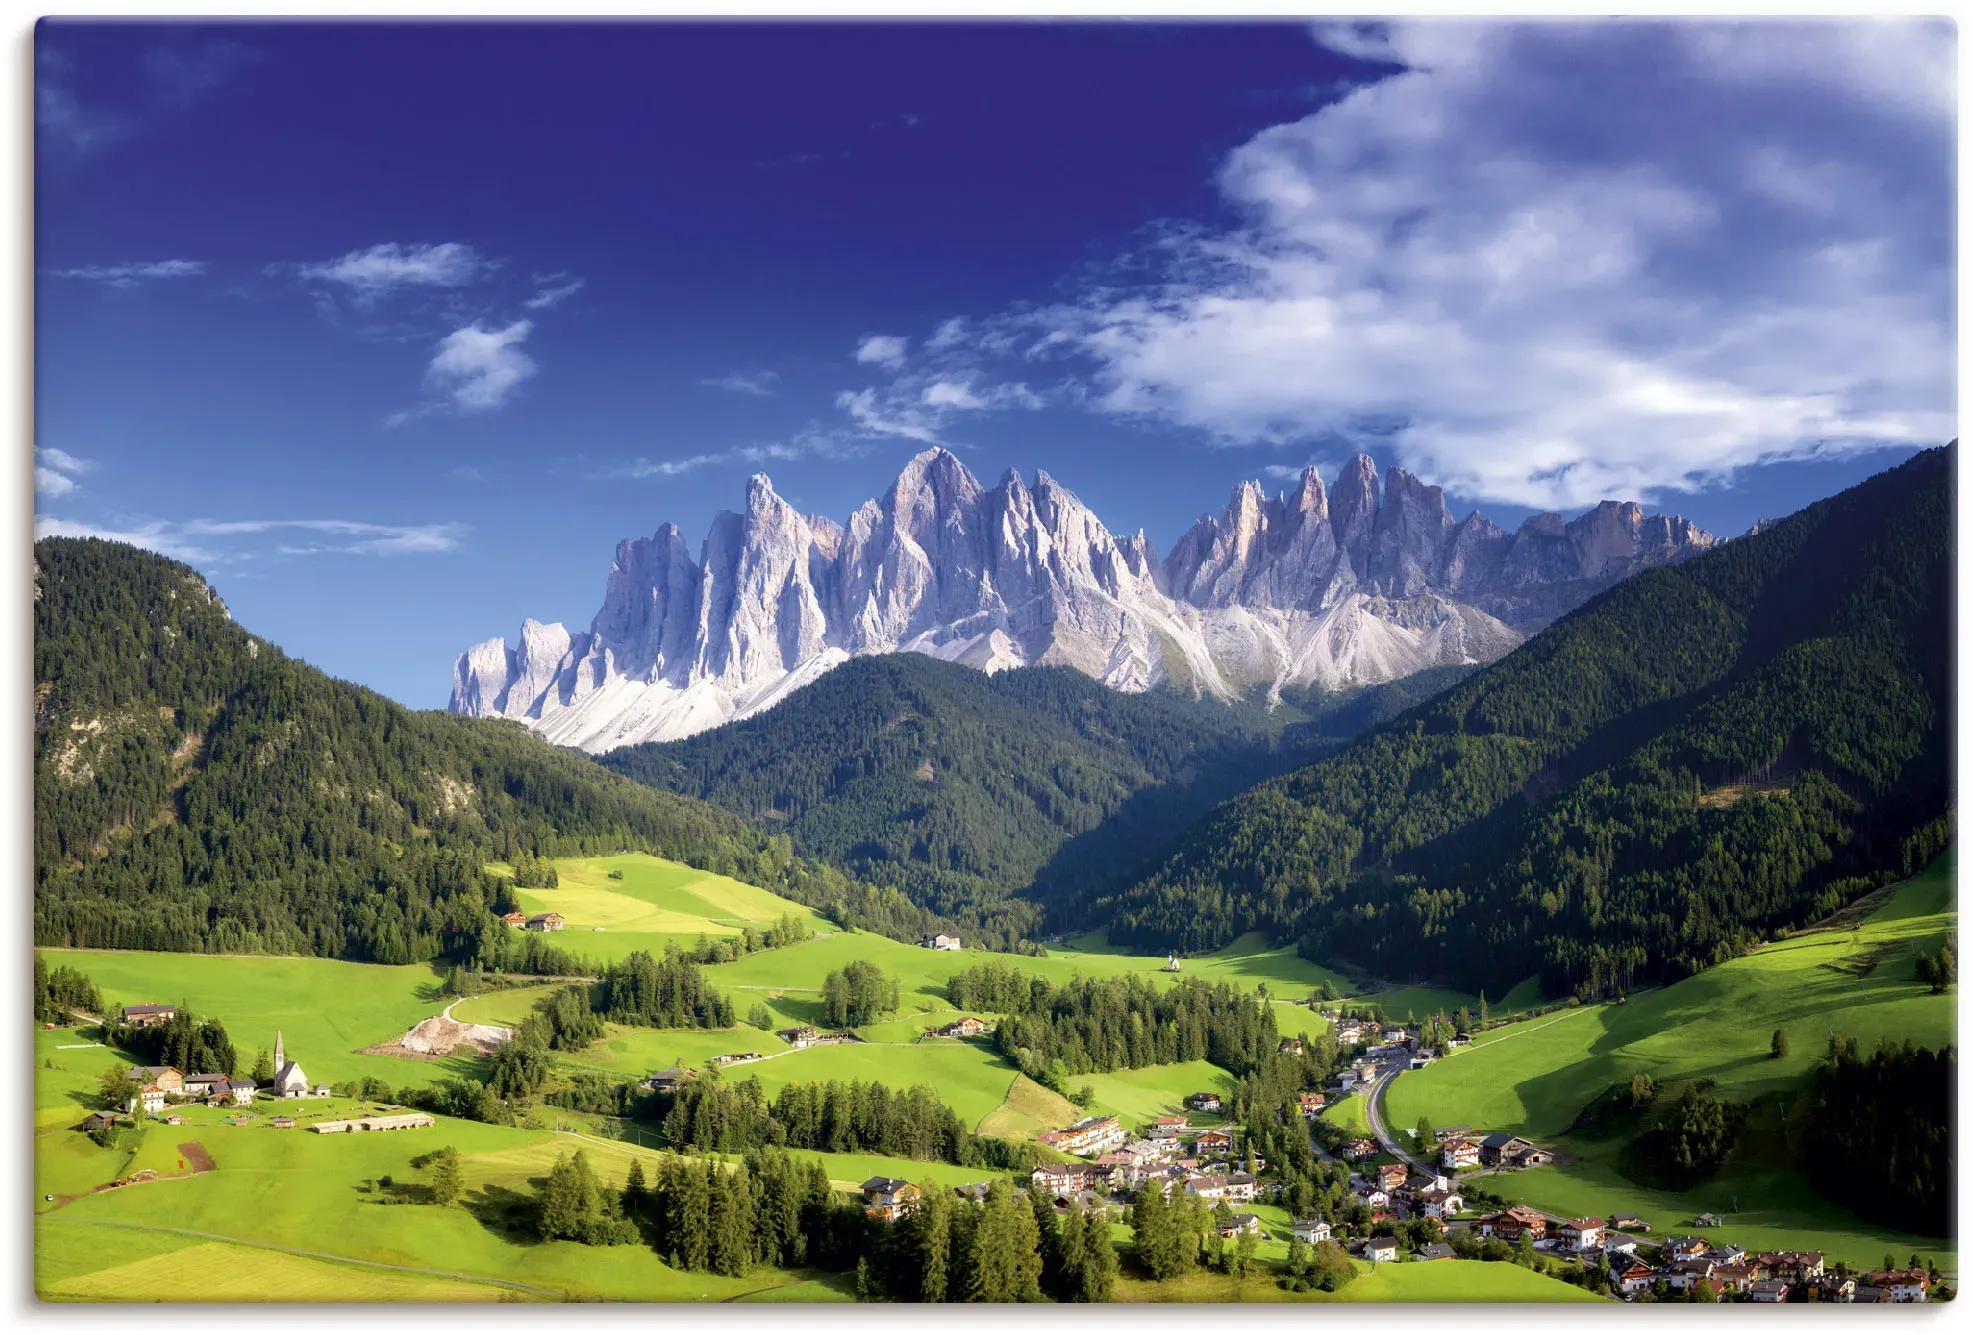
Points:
x=1704, y=755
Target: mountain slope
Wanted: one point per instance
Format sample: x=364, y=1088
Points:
x=1297, y=589
x=198, y=790
x=1706, y=753
x=965, y=788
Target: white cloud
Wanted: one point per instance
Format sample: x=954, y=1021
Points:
x=556, y=288
x=759, y=384
x=885, y=350
x=813, y=441
x=155, y=537
x=1542, y=293
x=887, y=419
x=132, y=273
x=55, y=471
x=370, y=275
x=478, y=368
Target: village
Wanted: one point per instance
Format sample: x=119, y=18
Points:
x=159, y=1091
x=1406, y=1209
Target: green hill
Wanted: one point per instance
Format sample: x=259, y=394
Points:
x=198, y=790
x=964, y=789
x=1705, y=755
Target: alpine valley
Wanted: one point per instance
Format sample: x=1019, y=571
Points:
x=1327, y=587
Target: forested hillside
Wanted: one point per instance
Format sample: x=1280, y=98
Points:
x=198, y=790
x=1706, y=754
x=964, y=788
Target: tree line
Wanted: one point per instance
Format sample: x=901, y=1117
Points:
x=61, y=991
x=1881, y=1133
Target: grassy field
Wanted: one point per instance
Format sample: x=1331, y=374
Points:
x=326, y=1009
x=224, y=1272
x=1452, y=1281
x=1029, y=1108
x=1140, y=1095
x=1536, y=1077
x=1347, y=1113
x=654, y=902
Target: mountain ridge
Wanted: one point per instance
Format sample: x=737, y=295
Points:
x=1274, y=591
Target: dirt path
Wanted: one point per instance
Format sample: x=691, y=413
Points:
x=325, y=1256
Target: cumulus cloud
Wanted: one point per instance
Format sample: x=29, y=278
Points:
x=759, y=384
x=132, y=273
x=478, y=368
x=1546, y=263
x=370, y=275
x=885, y=350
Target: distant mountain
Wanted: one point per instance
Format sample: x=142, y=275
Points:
x=1703, y=755
x=1297, y=589
x=198, y=790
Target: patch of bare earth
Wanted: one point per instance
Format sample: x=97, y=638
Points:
x=441, y=1036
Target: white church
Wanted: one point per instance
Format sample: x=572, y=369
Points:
x=289, y=1082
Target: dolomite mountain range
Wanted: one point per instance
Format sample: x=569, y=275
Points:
x=1346, y=585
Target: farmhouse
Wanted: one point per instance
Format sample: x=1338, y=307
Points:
x=966, y=1026
x=143, y=1017
x=1682, y=1275
x=1733, y=1277
x=1583, y=1235
x=1834, y=1288
x=1457, y=1154
x=1360, y=1148
x=1380, y=1249
x=1241, y=1186
x=545, y=922
x=1396, y=1034
x=1206, y=1188
x=1312, y=1231
x=940, y=942
x=239, y=1093
x=1634, y=1278
x=1435, y=1251
x=1372, y=1196
x=1292, y=1046
x=1437, y=1204
x=1769, y=1291
x=1510, y=1151
x=198, y=1086
x=167, y=1078
x=1390, y=1176
x=888, y=1198
x=1900, y=1286
x=150, y=1099
x=514, y=919
x=396, y=1122
x=1350, y=1034
x=1311, y=1102
x=97, y=1121
x=1203, y=1102
x=1213, y=1142
x=1687, y=1249
x=1242, y=1223
x=798, y=1037
x=1514, y=1221
x=668, y=1080
x=1630, y=1223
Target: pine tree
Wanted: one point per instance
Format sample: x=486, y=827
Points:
x=447, y=1183
x=929, y=1242
x=561, y=1201
x=635, y=1190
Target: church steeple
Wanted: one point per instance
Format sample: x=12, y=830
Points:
x=280, y=1053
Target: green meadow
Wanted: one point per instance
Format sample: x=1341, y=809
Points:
x=1535, y=1077
x=1452, y=1281
x=652, y=903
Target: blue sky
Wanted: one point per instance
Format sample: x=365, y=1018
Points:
x=395, y=330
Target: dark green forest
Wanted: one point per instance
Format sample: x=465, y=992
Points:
x=966, y=789
x=198, y=790
x=1880, y=1133
x=1704, y=755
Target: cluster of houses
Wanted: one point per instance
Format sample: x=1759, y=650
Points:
x=158, y=1086
x=535, y=922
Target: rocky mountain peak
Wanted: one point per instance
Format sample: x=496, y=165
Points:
x=1338, y=586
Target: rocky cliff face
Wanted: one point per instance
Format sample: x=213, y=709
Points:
x=1332, y=587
